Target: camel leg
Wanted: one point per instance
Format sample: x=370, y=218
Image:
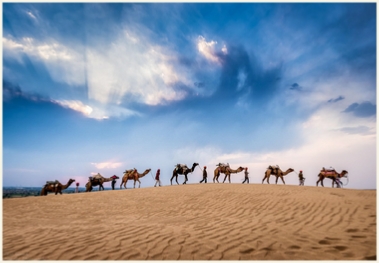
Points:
x=268, y=177
x=281, y=177
x=125, y=183
x=322, y=182
x=176, y=177
x=276, y=181
x=229, y=178
x=139, y=183
x=264, y=179
x=217, y=175
x=185, y=179
x=135, y=183
x=225, y=178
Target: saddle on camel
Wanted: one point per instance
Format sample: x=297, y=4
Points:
x=223, y=165
x=52, y=183
x=95, y=178
x=184, y=167
x=274, y=168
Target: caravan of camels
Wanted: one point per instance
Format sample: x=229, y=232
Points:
x=182, y=169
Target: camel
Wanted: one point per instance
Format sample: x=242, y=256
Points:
x=135, y=176
x=331, y=175
x=55, y=187
x=225, y=170
x=276, y=171
x=98, y=182
x=125, y=178
x=184, y=171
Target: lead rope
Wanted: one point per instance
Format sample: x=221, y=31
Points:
x=151, y=175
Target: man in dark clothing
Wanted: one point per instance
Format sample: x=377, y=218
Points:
x=246, y=176
x=113, y=181
x=301, y=178
x=204, y=175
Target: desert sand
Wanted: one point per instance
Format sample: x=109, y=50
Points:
x=194, y=221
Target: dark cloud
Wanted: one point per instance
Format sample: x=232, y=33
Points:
x=295, y=86
x=259, y=84
x=337, y=99
x=11, y=91
x=363, y=110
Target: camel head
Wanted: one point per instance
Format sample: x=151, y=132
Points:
x=289, y=170
x=148, y=170
x=195, y=164
x=71, y=181
x=343, y=173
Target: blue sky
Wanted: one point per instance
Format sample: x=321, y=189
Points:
x=94, y=87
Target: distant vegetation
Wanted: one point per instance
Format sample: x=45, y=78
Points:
x=15, y=192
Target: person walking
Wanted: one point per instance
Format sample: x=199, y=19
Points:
x=205, y=175
x=246, y=176
x=301, y=178
x=157, y=178
x=77, y=188
x=113, y=181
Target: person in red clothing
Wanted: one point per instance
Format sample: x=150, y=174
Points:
x=157, y=178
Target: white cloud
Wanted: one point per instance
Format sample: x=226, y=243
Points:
x=134, y=67
x=207, y=49
x=107, y=165
x=130, y=67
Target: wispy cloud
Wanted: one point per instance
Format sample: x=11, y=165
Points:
x=337, y=99
x=64, y=64
x=75, y=105
x=362, y=130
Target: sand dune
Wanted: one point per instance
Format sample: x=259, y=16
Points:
x=196, y=221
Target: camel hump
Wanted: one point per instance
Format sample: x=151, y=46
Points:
x=273, y=167
x=98, y=176
x=181, y=166
x=52, y=182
